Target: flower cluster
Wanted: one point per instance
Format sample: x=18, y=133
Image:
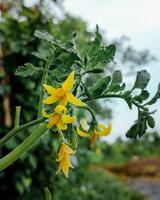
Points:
x=59, y=117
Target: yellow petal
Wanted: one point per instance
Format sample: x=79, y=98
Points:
x=50, y=89
x=106, y=130
x=68, y=119
x=82, y=133
x=66, y=164
x=53, y=120
x=69, y=150
x=45, y=114
x=61, y=125
x=63, y=101
x=68, y=84
x=72, y=99
x=51, y=99
x=60, y=109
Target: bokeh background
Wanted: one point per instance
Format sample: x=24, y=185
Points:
x=120, y=168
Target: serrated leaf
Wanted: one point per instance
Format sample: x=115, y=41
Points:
x=27, y=70
x=44, y=36
x=142, y=79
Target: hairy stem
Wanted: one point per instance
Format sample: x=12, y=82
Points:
x=16, y=130
x=44, y=79
x=22, y=148
x=114, y=96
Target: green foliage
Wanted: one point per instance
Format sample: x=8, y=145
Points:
x=142, y=79
x=47, y=194
x=122, y=151
x=27, y=70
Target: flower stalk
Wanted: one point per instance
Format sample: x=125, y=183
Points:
x=23, y=147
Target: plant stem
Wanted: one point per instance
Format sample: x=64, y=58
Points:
x=17, y=116
x=22, y=148
x=16, y=130
x=114, y=96
x=44, y=78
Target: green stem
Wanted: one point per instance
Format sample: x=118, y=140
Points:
x=22, y=148
x=114, y=96
x=17, y=116
x=44, y=79
x=16, y=130
x=91, y=112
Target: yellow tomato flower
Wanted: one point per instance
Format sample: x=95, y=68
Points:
x=59, y=118
x=63, y=94
x=99, y=131
x=85, y=130
x=64, y=159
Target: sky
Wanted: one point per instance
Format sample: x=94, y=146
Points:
x=137, y=19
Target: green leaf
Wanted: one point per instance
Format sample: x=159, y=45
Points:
x=100, y=86
x=47, y=194
x=117, y=77
x=131, y=133
x=44, y=36
x=156, y=97
x=27, y=70
x=95, y=70
x=142, y=79
x=39, y=56
x=150, y=121
x=128, y=98
x=109, y=53
x=143, y=96
x=140, y=126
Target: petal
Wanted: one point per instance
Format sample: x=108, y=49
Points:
x=60, y=109
x=61, y=125
x=53, y=120
x=68, y=83
x=68, y=119
x=66, y=164
x=82, y=133
x=72, y=99
x=106, y=130
x=83, y=124
x=49, y=89
x=69, y=150
x=51, y=99
x=63, y=100
x=45, y=114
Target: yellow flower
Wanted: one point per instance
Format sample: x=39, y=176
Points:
x=59, y=118
x=85, y=130
x=99, y=131
x=63, y=94
x=64, y=159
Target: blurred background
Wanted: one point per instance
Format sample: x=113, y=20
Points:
x=121, y=168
